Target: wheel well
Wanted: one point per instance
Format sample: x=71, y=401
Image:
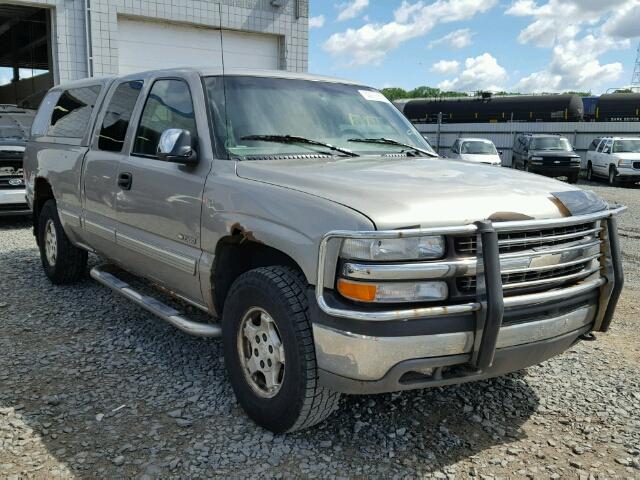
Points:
x=42, y=193
x=236, y=255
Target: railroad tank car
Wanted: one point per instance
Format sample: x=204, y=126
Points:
x=519, y=108
x=618, y=107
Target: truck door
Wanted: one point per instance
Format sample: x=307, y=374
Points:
x=158, y=202
x=101, y=167
x=604, y=156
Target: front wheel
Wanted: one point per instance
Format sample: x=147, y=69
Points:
x=573, y=177
x=613, y=177
x=269, y=351
x=62, y=261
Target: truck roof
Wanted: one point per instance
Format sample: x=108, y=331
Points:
x=204, y=72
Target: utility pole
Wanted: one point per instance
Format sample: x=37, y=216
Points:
x=635, y=80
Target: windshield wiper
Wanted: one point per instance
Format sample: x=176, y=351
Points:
x=389, y=141
x=297, y=139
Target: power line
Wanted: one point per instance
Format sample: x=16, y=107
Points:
x=635, y=80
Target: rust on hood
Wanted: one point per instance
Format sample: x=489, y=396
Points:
x=508, y=217
x=561, y=206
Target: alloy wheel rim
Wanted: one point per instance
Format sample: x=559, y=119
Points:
x=50, y=243
x=261, y=352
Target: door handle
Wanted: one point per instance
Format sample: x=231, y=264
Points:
x=125, y=179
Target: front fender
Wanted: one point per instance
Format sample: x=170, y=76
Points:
x=290, y=221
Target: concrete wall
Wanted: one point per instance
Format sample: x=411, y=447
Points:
x=290, y=21
x=580, y=134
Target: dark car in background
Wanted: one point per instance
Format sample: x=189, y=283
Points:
x=546, y=154
x=15, y=125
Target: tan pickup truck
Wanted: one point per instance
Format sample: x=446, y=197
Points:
x=333, y=251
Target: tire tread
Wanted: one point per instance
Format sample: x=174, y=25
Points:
x=318, y=402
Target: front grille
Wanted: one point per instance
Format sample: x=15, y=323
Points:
x=518, y=241
x=9, y=182
x=467, y=285
x=556, y=162
x=10, y=207
x=11, y=155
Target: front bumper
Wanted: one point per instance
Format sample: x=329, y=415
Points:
x=13, y=202
x=628, y=174
x=554, y=170
x=379, y=350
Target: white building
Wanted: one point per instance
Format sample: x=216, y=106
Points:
x=43, y=42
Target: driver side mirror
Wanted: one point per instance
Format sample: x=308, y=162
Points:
x=500, y=152
x=177, y=146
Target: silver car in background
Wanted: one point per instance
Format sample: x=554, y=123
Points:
x=15, y=124
x=475, y=150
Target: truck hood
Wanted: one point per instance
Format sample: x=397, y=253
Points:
x=408, y=191
x=627, y=155
x=474, y=158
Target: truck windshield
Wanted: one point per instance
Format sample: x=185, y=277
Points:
x=551, y=143
x=626, y=146
x=478, y=148
x=326, y=112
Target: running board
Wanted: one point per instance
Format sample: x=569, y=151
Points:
x=154, y=306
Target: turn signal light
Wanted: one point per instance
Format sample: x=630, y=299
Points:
x=361, y=292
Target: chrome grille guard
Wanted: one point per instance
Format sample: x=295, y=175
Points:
x=490, y=302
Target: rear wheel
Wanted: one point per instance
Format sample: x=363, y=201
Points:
x=590, y=172
x=269, y=351
x=62, y=261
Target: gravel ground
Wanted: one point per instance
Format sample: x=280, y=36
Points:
x=93, y=387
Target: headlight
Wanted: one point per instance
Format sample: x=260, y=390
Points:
x=393, y=292
x=625, y=162
x=536, y=159
x=409, y=248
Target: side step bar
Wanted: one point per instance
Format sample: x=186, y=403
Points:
x=154, y=306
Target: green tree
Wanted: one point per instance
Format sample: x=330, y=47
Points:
x=394, y=93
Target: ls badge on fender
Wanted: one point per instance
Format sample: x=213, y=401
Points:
x=187, y=239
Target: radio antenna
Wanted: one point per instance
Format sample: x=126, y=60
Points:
x=221, y=39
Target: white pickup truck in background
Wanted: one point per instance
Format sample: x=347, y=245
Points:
x=614, y=158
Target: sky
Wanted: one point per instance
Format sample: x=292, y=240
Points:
x=468, y=45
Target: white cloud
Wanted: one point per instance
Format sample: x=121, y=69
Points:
x=370, y=43
x=574, y=66
x=578, y=32
x=480, y=73
x=457, y=39
x=352, y=9
x=316, y=22
x=625, y=23
x=445, y=67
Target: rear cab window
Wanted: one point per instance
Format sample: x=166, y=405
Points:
x=65, y=115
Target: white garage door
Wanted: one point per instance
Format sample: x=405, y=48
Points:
x=144, y=45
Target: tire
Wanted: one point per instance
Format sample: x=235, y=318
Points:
x=573, y=177
x=292, y=399
x=590, y=172
x=613, y=177
x=62, y=261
